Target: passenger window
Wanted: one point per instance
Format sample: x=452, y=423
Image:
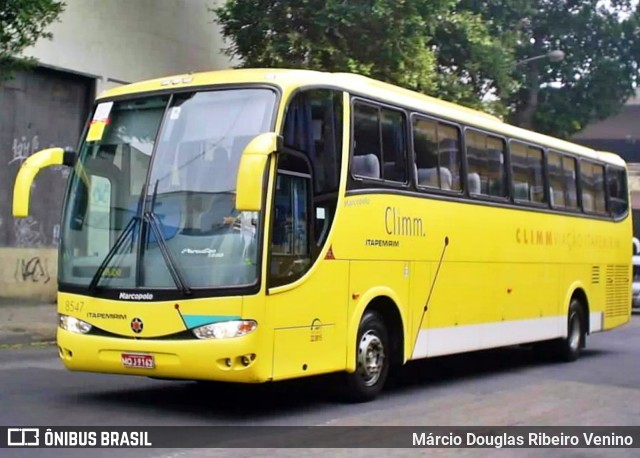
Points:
x=618, y=195
x=527, y=165
x=379, y=149
x=367, y=154
x=570, y=177
x=562, y=180
x=592, y=182
x=485, y=156
x=437, y=154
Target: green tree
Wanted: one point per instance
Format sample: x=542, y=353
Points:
x=599, y=70
x=465, y=51
x=391, y=40
x=22, y=23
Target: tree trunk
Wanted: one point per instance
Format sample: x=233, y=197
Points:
x=523, y=117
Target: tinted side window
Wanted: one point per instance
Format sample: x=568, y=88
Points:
x=570, y=177
x=592, y=181
x=485, y=156
x=394, y=151
x=556, y=180
x=290, y=250
x=437, y=152
x=618, y=195
x=379, y=149
x=562, y=180
x=527, y=165
x=367, y=154
x=313, y=125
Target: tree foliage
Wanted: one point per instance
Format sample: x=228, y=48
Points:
x=466, y=51
x=22, y=23
x=600, y=67
x=391, y=40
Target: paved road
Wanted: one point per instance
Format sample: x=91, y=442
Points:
x=501, y=387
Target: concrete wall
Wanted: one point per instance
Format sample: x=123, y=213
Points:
x=122, y=41
x=29, y=273
x=110, y=42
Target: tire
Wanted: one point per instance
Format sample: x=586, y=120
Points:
x=373, y=358
x=568, y=349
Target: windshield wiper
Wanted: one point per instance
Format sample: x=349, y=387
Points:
x=112, y=252
x=150, y=218
x=174, y=270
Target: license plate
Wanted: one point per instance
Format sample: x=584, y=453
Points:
x=137, y=360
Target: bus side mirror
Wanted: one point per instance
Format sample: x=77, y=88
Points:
x=249, y=186
x=29, y=170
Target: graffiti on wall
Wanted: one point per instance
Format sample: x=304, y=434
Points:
x=31, y=120
x=29, y=273
x=34, y=270
x=55, y=238
x=23, y=148
x=28, y=232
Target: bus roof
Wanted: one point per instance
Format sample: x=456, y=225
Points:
x=290, y=79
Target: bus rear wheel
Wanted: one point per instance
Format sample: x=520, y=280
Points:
x=372, y=360
x=568, y=349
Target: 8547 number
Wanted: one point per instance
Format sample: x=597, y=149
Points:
x=71, y=306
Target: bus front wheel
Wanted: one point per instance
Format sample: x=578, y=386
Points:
x=568, y=349
x=372, y=359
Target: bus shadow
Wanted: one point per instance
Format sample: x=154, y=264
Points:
x=239, y=403
x=474, y=366
x=242, y=404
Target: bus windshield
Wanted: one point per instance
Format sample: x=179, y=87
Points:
x=152, y=200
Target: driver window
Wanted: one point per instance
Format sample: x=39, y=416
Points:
x=313, y=127
x=290, y=237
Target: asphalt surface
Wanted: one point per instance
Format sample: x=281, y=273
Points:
x=500, y=387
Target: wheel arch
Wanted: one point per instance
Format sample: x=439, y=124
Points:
x=579, y=292
x=384, y=302
x=581, y=296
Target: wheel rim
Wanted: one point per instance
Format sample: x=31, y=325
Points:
x=370, y=358
x=574, y=333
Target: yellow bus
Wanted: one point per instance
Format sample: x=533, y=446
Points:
x=260, y=225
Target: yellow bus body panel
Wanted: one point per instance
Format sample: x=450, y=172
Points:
x=499, y=265
x=175, y=357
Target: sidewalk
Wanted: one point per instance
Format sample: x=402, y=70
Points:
x=25, y=321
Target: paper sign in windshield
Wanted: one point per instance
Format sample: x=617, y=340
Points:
x=99, y=122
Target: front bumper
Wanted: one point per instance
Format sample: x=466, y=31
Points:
x=219, y=360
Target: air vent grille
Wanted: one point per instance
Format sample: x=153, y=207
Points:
x=618, y=300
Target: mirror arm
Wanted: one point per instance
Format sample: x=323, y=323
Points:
x=28, y=172
x=69, y=157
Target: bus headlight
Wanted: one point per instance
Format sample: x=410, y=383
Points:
x=225, y=329
x=69, y=323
